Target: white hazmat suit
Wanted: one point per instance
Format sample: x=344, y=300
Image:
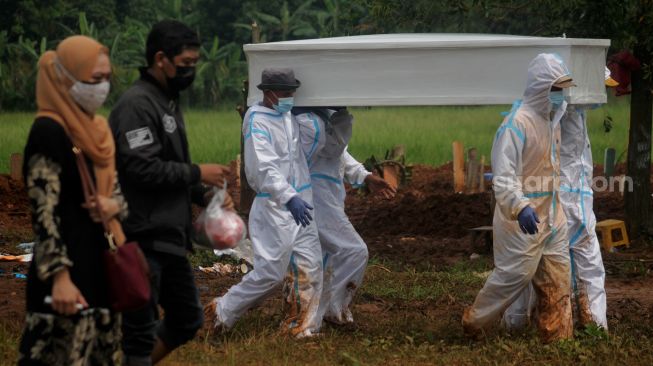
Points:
x=526, y=169
x=276, y=169
x=578, y=199
x=324, y=137
x=576, y=196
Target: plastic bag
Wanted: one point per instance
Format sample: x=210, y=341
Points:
x=218, y=228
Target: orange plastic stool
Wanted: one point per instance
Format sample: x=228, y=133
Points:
x=606, y=229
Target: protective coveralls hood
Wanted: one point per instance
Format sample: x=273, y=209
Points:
x=543, y=72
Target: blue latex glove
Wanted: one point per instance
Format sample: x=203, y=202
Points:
x=528, y=220
x=299, y=210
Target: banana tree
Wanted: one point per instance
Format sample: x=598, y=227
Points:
x=261, y=37
x=127, y=52
x=219, y=72
x=183, y=11
x=287, y=24
x=86, y=28
x=329, y=20
x=338, y=17
x=18, y=73
x=232, y=73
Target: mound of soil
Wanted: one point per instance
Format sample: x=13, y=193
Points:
x=427, y=205
x=15, y=219
x=417, y=213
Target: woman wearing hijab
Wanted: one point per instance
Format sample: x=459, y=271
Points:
x=68, y=319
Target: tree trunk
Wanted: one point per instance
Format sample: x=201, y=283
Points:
x=638, y=202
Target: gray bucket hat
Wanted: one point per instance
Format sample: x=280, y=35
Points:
x=278, y=79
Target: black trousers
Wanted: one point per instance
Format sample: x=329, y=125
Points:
x=173, y=288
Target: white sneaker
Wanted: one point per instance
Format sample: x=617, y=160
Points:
x=344, y=318
x=307, y=334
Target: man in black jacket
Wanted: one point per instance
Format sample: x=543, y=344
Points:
x=160, y=182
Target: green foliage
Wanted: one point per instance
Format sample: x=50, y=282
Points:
x=18, y=74
x=220, y=73
x=613, y=19
x=289, y=23
x=28, y=27
x=123, y=26
x=627, y=23
x=284, y=24
x=202, y=257
x=183, y=11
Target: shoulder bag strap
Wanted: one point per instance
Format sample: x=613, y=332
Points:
x=90, y=193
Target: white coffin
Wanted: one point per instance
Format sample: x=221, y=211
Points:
x=424, y=69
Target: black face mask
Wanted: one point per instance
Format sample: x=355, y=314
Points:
x=182, y=80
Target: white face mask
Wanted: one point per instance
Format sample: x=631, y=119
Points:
x=89, y=97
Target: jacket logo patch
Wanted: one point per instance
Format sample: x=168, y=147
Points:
x=169, y=123
x=139, y=137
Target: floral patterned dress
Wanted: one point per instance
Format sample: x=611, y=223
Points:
x=65, y=236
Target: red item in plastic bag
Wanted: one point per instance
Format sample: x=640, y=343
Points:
x=225, y=231
x=219, y=228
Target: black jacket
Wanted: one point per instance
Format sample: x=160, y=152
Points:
x=156, y=174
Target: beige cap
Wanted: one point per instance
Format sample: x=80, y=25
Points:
x=609, y=81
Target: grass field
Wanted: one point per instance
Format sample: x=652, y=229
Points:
x=405, y=316
x=411, y=316
x=427, y=132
